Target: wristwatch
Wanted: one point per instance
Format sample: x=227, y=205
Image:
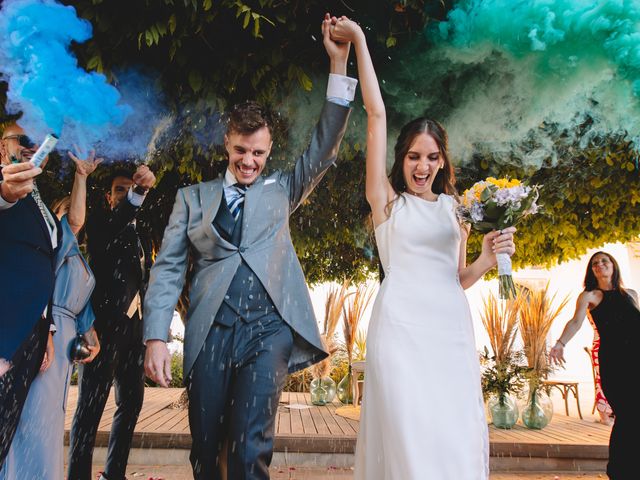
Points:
x=139, y=190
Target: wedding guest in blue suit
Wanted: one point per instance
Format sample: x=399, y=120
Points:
x=37, y=450
x=29, y=238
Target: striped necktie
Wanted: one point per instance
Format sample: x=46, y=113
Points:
x=235, y=198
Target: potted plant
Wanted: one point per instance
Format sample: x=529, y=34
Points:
x=502, y=375
x=353, y=308
x=322, y=387
x=536, y=317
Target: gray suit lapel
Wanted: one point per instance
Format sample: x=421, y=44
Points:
x=251, y=202
x=210, y=197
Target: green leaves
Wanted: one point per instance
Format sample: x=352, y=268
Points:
x=95, y=63
x=297, y=73
x=249, y=15
x=154, y=33
x=195, y=80
x=502, y=378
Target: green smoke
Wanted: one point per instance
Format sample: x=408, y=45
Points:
x=508, y=77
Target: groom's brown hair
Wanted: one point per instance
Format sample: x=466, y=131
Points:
x=248, y=117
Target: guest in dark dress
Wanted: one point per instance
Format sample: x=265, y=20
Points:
x=615, y=313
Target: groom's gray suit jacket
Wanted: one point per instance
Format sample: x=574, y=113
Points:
x=265, y=246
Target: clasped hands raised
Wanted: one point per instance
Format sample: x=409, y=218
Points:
x=342, y=30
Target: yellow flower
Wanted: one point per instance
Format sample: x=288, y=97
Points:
x=498, y=182
x=503, y=182
x=470, y=195
x=478, y=188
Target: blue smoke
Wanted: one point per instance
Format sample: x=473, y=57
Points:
x=56, y=95
x=146, y=101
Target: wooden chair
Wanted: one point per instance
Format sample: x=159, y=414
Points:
x=565, y=387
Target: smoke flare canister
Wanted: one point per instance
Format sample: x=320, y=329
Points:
x=45, y=149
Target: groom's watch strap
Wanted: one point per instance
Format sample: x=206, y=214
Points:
x=134, y=197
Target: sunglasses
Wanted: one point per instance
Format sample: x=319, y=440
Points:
x=23, y=140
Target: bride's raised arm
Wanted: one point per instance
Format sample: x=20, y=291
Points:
x=378, y=189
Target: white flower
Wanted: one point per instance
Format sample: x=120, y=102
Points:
x=477, y=213
x=533, y=209
x=511, y=196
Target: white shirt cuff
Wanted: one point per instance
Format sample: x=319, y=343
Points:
x=134, y=198
x=4, y=204
x=341, y=86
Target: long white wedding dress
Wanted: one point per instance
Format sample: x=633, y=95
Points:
x=422, y=414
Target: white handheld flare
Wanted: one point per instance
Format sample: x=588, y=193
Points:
x=44, y=149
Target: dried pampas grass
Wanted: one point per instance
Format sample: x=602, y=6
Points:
x=333, y=308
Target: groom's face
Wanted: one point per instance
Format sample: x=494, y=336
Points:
x=248, y=154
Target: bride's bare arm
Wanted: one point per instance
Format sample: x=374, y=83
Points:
x=378, y=188
x=492, y=243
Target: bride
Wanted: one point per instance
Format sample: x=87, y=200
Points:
x=422, y=413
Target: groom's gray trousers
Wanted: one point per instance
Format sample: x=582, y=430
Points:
x=234, y=389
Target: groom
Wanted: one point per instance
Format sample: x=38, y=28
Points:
x=250, y=320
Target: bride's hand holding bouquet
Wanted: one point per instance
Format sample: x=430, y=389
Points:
x=497, y=205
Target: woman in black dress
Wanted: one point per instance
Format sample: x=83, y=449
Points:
x=615, y=313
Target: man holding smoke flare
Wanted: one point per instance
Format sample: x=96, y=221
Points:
x=28, y=242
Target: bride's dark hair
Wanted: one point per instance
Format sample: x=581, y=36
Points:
x=445, y=178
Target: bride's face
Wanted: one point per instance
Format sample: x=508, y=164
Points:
x=421, y=164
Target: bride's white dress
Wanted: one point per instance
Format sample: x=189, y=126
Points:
x=422, y=414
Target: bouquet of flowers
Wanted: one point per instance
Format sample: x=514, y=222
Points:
x=495, y=204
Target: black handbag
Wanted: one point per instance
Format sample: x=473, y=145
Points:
x=79, y=349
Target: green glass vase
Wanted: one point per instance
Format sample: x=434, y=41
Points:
x=345, y=388
x=538, y=410
x=322, y=390
x=504, y=411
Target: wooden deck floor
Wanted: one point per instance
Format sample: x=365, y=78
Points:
x=302, y=427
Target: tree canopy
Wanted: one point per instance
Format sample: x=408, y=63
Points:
x=204, y=55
